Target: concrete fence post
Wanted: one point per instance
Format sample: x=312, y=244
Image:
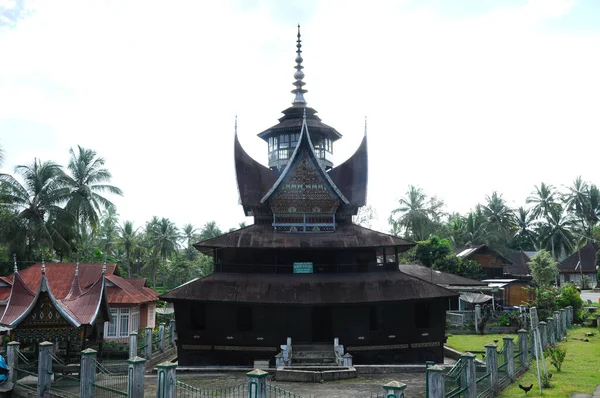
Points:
x=470, y=375
x=563, y=321
x=257, y=384
x=136, y=367
x=477, y=316
x=347, y=359
x=543, y=334
x=435, y=382
x=569, y=319
x=523, y=348
x=491, y=365
x=550, y=331
x=87, y=373
x=44, y=368
x=161, y=337
x=509, y=356
x=557, y=328
x=172, y=332
x=148, y=336
x=133, y=344
x=12, y=360
x=394, y=389
x=166, y=380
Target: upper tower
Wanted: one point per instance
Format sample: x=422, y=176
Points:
x=283, y=138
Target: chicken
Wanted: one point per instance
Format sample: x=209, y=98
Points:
x=526, y=389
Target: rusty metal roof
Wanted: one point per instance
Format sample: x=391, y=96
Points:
x=588, y=260
x=308, y=288
x=263, y=237
x=438, y=277
x=20, y=299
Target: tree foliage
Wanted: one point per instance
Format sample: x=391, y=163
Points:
x=543, y=268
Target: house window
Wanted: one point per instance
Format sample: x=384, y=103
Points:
x=111, y=327
x=135, y=319
x=244, y=319
x=124, y=322
x=422, y=315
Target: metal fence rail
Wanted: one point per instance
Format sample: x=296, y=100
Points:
x=274, y=391
x=109, y=384
x=453, y=380
x=26, y=372
x=184, y=390
x=484, y=383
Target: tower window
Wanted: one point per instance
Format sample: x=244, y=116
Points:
x=283, y=154
x=294, y=139
x=284, y=141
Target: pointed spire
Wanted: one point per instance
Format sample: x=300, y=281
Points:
x=43, y=266
x=235, y=125
x=77, y=268
x=15, y=260
x=299, y=75
x=104, y=266
x=365, y=125
x=75, y=287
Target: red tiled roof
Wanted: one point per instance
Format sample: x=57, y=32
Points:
x=124, y=293
x=85, y=308
x=20, y=300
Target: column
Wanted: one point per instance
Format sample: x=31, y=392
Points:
x=509, y=356
x=394, y=389
x=347, y=359
x=470, y=376
x=257, y=384
x=491, y=364
x=133, y=344
x=44, y=368
x=135, y=377
x=161, y=337
x=550, y=331
x=435, y=382
x=166, y=380
x=87, y=373
x=12, y=360
x=172, y=332
x=543, y=334
x=523, y=348
x=148, y=353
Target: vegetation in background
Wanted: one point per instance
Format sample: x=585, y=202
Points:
x=543, y=268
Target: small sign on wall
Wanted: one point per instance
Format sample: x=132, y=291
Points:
x=303, y=268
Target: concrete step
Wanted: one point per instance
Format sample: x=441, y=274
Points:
x=313, y=354
x=313, y=364
x=312, y=347
x=312, y=361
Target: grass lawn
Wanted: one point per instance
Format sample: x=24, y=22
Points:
x=580, y=370
x=475, y=343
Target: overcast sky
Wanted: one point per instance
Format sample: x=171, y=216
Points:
x=462, y=97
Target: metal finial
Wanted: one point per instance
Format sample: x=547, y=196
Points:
x=299, y=75
x=15, y=260
x=77, y=268
x=104, y=266
x=235, y=124
x=43, y=266
x=365, y=125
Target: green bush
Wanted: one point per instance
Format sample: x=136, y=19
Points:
x=557, y=356
x=569, y=296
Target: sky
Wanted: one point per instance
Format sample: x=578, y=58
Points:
x=462, y=98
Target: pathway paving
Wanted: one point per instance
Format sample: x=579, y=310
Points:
x=596, y=394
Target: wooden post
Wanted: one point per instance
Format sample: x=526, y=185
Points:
x=135, y=377
x=12, y=360
x=523, y=347
x=435, y=382
x=44, y=368
x=491, y=364
x=257, y=384
x=166, y=380
x=543, y=334
x=133, y=344
x=509, y=356
x=148, y=353
x=87, y=373
x=470, y=375
x=394, y=389
x=172, y=332
x=161, y=337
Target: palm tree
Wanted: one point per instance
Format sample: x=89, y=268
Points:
x=556, y=232
x=543, y=200
x=1, y=155
x=86, y=181
x=524, y=237
x=164, y=240
x=35, y=218
x=475, y=228
x=416, y=214
x=129, y=242
x=210, y=230
x=188, y=232
x=499, y=219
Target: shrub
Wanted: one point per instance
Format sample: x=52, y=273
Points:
x=569, y=296
x=557, y=355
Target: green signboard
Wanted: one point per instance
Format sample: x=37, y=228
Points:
x=303, y=268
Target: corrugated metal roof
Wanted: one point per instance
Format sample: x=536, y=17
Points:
x=351, y=177
x=308, y=288
x=588, y=260
x=20, y=300
x=438, y=277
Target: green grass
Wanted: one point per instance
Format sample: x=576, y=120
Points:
x=580, y=371
x=476, y=342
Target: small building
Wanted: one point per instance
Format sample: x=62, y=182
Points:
x=132, y=303
x=492, y=262
x=519, y=269
x=514, y=291
x=580, y=266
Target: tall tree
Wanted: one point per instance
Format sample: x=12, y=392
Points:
x=129, y=242
x=543, y=268
x=86, y=182
x=499, y=220
x=163, y=237
x=416, y=214
x=524, y=236
x=210, y=230
x=35, y=214
x=543, y=200
x=556, y=232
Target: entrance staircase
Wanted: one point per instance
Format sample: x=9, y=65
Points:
x=313, y=355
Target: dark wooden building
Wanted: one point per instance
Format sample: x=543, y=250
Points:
x=303, y=269
x=493, y=263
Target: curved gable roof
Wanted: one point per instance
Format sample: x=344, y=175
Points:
x=351, y=177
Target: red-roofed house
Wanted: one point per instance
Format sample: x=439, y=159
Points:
x=132, y=304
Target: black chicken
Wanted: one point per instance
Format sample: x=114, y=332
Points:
x=526, y=389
